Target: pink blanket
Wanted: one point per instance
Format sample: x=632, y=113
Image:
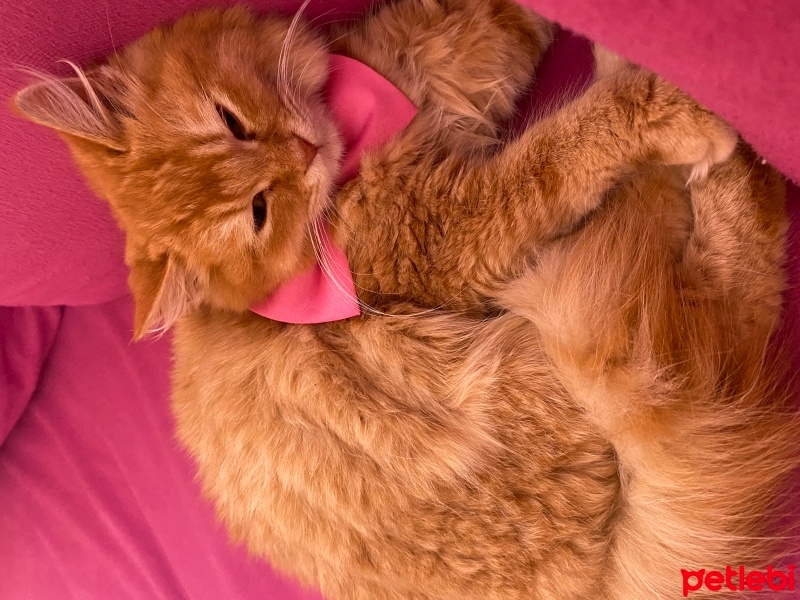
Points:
x=96, y=500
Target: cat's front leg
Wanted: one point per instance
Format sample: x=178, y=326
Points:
x=546, y=182
x=446, y=231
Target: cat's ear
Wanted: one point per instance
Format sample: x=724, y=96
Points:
x=162, y=291
x=76, y=106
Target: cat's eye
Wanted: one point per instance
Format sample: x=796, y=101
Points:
x=233, y=124
x=259, y=211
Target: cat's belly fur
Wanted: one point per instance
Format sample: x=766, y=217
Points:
x=397, y=458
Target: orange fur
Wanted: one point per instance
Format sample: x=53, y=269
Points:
x=561, y=388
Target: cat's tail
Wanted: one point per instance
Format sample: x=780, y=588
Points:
x=705, y=476
x=658, y=320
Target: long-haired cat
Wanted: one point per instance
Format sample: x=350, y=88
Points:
x=561, y=388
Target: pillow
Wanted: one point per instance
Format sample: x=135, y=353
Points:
x=60, y=245
x=740, y=58
x=27, y=334
x=98, y=499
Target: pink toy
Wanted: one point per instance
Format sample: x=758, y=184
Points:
x=369, y=111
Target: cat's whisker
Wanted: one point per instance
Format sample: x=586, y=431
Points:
x=284, y=87
x=320, y=252
x=322, y=257
x=110, y=34
x=292, y=84
x=321, y=16
x=346, y=34
x=359, y=287
x=302, y=113
x=328, y=272
x=352, y=232
x=289, y=83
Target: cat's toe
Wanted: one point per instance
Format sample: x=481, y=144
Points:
x=607, y=63
x=705, y=140
x=679, y=130
x=720, y=144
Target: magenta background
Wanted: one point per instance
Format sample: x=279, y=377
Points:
x=741, y=58
x=96, y=499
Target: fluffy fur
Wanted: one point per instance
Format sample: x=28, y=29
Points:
x=560, y=388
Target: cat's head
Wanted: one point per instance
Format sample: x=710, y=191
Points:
x=211, y=142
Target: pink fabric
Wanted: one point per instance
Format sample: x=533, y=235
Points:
x=369, y=111
x=96, y=500
x=26, y=335
x=318, y=295
x=741, y=58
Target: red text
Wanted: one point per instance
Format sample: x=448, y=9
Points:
x=738, y=580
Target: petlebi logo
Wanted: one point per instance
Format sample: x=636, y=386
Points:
x=738, y=579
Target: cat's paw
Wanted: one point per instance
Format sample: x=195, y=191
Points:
x=675, y=129
x=607, y=63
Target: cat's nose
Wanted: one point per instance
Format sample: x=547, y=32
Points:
x=309, y=150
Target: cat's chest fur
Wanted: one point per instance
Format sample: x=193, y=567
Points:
x=402, y=227
x=347, y=441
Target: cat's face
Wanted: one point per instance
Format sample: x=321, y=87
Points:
x=212, y=144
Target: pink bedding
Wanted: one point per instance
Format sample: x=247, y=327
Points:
x=96, y=499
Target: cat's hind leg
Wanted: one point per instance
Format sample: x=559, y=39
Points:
x=656, y=317
x=465, y=63
x=738, y=248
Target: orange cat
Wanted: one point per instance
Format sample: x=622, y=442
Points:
x=569, y=396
